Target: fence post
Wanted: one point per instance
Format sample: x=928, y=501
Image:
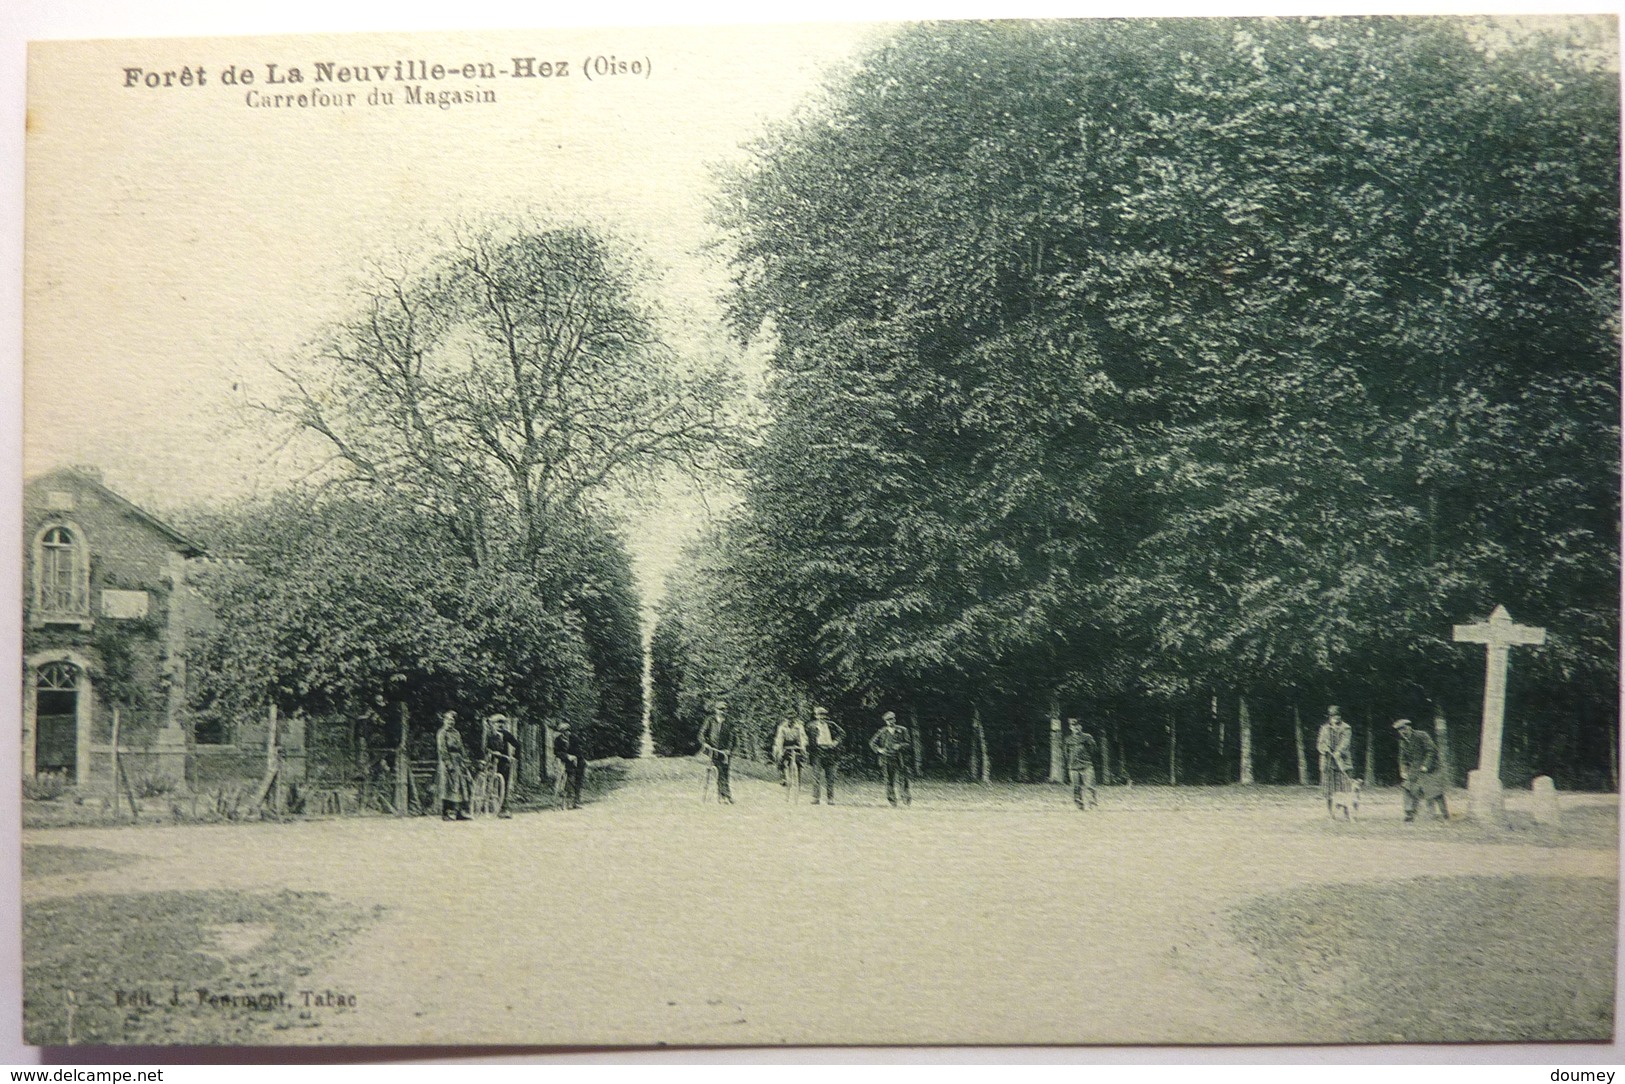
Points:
x=112, y=774
x=403, y=770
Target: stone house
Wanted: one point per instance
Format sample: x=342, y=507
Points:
x=106, y=613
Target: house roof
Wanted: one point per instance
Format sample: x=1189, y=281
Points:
x=181, y=542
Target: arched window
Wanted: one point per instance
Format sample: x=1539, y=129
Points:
x=58, y=677
x=61, y=575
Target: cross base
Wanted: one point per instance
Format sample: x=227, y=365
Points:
x=1485, y=802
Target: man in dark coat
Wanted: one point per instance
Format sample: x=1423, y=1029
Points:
x=1080, y=762
x=572, y=758
x=824, y=742
x=718, y=740
x=893, y=746
x=1420, y=775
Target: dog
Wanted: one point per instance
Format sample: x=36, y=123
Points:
x=1348, y=801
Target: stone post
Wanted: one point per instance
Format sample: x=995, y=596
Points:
x=1544, y=792
x=1498, y=635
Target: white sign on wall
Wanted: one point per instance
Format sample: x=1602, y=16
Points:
x=124, y=604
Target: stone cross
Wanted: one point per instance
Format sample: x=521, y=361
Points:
x=1498, y=635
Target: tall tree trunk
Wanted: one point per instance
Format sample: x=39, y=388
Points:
x=914, y=739
x=1441, y=738
x=984, y=773
x=1244, y=727
x=403, y=770
x=1105, y=757
x=1370, y=756
x=1173, y=749
x=1022, y=741
x=1613, y=756
x=1297, y=746
x=970, y=751
x=1057, y=764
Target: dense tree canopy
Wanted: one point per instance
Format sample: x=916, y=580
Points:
x=1187, y=359
x=477, y=413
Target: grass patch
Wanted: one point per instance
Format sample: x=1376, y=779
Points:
x=49, y=860
x=1436, y=959
x=134, y=964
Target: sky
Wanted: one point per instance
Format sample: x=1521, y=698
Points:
x=179, y=240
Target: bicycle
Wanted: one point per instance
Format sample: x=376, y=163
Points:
x=489, y=789
x=792, y=776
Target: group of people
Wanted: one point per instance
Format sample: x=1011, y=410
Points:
x=1421, y=772
x=818, y=744
x=454, y=773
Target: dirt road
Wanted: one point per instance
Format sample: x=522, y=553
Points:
x=648, y=917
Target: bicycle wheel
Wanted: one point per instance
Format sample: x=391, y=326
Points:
x=792, y=780
x=487, y=797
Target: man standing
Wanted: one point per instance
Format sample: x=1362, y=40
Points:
x=718, y=738
x=503, y=747
x=1419, y=775
x=1080, y=762
x=824, y=740
x=1336, y=747
x=572, y=758
x=892, y=745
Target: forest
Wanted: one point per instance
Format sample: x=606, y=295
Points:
x=1184, y=376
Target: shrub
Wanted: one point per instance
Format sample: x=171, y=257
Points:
x=148, y=785
x=45, y=787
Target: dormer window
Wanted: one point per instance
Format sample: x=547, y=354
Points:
x=61, y=576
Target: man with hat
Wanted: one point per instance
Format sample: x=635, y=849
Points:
x=503, y=747
x=1420, y=777
x=718, y=739
x=892, y=745
x=1079, y=750
x=572, y=758
x=824, y=744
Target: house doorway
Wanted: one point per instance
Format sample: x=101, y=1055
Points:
x=56, y=720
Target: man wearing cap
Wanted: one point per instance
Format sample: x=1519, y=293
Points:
x=572, y=758
x=824, y=743
x=1420, y=777
x=1336, y=747
x=892, y=745
x=503, y=747
x=718, y=739
x=1079, y=750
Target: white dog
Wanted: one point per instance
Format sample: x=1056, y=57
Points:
x=1348, y=801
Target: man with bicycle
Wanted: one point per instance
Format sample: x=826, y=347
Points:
x=718, y=739
x=572, y=758
x=502, y=750
x=790, y=740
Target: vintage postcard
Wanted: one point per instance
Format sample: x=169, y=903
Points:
x=1095, y=531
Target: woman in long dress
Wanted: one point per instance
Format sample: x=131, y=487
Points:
x=451, y=776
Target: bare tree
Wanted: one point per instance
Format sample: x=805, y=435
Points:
x=508, y=382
